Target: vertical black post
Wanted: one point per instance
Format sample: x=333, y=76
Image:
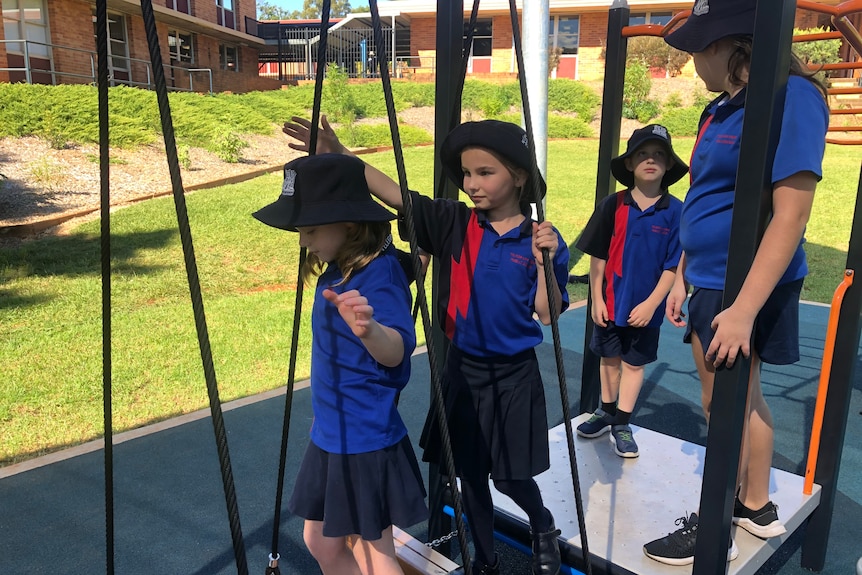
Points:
x=764, y=108
x=450, y=31
x=609, y=143
x=837, y=402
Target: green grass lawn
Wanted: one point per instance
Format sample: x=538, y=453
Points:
x=50, y=298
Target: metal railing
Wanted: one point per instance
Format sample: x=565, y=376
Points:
x=86, y=69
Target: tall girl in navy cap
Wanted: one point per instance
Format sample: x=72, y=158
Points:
x=359, y=475
x=491, y=285
x=763, y=320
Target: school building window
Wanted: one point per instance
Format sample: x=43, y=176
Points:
x=224, y=13
x=227, y=56
x=563, y=34
x=180, y=46
x=26, y=20
x=179, y=5
x=660, y=18
x=118, y=45
x=482, y=37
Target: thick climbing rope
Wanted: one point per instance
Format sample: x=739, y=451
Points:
x=538, y=195
x=194, y=285
x=272, y=565
x=407, y=201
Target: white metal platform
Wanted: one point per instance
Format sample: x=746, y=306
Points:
x=628, y=502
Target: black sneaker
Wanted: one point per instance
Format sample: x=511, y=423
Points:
x=598, y=424
x=624, y=441
x=763, y=523
x=677, y=548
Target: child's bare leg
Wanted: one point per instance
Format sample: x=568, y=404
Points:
x=758, y=442
x=377, y=557
x=706, y=372
x=610, y=376
x=631, y=380
x=331, y=553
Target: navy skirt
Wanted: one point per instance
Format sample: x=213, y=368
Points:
x=360, y=494
x=496, y=414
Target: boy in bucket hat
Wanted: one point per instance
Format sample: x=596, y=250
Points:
x=633, y=242
x=359, y=475
x=492, y=282
x=762, y=322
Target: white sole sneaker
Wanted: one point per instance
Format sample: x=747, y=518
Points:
x=774, y=529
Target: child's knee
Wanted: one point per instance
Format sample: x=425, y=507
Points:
x=321, y=547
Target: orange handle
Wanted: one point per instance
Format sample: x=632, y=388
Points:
x=825, y=372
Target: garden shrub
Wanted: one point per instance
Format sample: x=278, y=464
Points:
x=818, y=51
x=566, y=95
x=636, y=102
x=656, y=53
x=378, y=135
x=681, y=121
x=567, y=127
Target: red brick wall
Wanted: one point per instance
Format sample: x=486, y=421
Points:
x=76, y=31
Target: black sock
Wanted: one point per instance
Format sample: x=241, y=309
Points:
x=622, y=417
x=610, y=408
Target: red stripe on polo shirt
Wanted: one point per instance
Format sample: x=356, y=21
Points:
x=461, y=277
x=614, y=265
x=696, y=142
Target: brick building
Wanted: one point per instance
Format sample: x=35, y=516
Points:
x=577, y=31
x=201, y=41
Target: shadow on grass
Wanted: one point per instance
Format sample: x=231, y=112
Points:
x=75, y=255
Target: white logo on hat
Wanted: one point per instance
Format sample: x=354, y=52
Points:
x=700, y=8
x=660, y=131
x=287, y=188
x=525, y=141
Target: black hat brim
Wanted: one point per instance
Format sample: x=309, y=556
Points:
x=282, y=215
x=627, y=178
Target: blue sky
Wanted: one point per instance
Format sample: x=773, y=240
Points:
x=288, y=4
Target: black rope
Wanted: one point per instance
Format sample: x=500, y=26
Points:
x=407, y=201
x=194, y=285
x=272, y=566
x=538, y=194
x=105, y=237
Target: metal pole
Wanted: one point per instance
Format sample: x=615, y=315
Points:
x=536, y=17
x=841, y=382
x=450, y=33
x=609, y=143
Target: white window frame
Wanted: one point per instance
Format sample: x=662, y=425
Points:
x=222, y=57
x=174, y=49
x=25, y=27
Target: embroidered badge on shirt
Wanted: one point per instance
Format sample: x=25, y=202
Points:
x=287, y=188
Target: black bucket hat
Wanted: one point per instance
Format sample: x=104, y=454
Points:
x=323, y=189
x=713, y=20
x=504, y=138
x=637, y=139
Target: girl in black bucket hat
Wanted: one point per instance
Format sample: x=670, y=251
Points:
x=359, y=475
x=763, y=320
x=492, y=283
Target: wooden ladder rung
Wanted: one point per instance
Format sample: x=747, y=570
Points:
x=846, y=111
x=845, y=129
x=844, y=142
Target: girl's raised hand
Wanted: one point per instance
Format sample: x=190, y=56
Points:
x=544, y=236
x=354, y=309
x=300, y=129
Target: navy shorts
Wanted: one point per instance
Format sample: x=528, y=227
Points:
x=360, y=494
x=635, y=345
x=776, y=331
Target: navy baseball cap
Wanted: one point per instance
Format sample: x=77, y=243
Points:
x=638, y=138
x=504, y=138
x=712, y=20
x=323, y=189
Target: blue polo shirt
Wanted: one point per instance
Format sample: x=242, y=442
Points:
x=353, y=396
x=489, y=284
x=707, y=210
x=637, y=246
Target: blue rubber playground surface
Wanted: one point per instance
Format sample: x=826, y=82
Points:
x=170, y=514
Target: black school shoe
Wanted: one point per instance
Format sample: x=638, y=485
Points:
x=546, y=551
x=677, y=548
x=478, y=568
x=763, y=522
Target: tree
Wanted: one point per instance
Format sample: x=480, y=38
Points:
x=313, y=9
x=267, y=11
